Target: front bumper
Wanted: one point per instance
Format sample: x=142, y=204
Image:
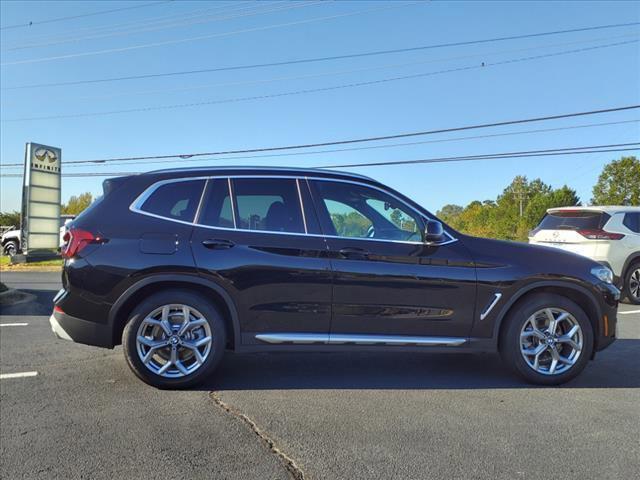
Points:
x=609, y=299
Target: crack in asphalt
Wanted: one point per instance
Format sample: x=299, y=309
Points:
x=289, y=463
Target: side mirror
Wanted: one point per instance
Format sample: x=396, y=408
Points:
x=433, y=232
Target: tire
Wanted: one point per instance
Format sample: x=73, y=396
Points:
x=631, y=286
x=147, y=322
x=519, y=341
x=11, y=248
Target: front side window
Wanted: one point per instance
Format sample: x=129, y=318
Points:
x=268, y=204
x=356, y=211
x=175, y=200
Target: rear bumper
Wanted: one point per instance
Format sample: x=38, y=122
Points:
x=77, y=330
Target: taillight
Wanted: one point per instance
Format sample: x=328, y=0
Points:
x=593, y=234
x=75, y=240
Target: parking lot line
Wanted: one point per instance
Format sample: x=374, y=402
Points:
x=13, y=324
x=5, y=376
x=629, y=312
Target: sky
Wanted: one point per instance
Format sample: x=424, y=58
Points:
x=142, y=38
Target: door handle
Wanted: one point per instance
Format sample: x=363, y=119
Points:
x=217, y=244
x=354, y=253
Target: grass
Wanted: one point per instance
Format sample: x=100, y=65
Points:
x=46, y=264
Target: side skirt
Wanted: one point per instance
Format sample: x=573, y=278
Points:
x=312, y=342
x=347, y=339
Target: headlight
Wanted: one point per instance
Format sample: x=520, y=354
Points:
x=603, y=274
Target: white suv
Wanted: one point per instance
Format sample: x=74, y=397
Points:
x=609, y=235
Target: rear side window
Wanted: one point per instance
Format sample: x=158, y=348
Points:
x=175, y=200
x=268, y=204
x=574, y=220
x=217, y=210
x=632, y=221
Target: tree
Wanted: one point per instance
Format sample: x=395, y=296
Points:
x=10, y=218
x=449, y=212
x=503, y=218
x=619, y=183
x=76, y=205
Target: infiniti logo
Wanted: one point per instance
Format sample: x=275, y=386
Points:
x=44, y=154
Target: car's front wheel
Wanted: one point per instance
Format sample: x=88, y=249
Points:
x=547, y=339
x=632, y=284
x=174, y=339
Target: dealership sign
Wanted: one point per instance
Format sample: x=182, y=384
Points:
x=41, y=199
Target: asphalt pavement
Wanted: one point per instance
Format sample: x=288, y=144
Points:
x=319, y=416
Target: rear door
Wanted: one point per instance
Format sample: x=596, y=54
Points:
x=253, y=236
x=387, y=281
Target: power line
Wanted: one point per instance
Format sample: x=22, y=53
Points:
x=73, y=17
x=341, y=150
x=522, y=154
x=357, y=140
x=316, y=90
x=325, y=59
x=341, y=72
x=71, y=35
x=205, y=37
x=583, y=150
x=197, y=21
x=146, y=21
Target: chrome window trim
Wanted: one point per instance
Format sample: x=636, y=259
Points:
x=200, y=202
x=233, y=205
x=304, y=217
x=139, y=201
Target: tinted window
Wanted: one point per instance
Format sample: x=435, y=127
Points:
x=177, y=200
x=574, y=220
x=270, y=204
x=217, y=210
x=632, y=221
x=357, y=211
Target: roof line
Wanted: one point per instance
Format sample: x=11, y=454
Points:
x=255, y=167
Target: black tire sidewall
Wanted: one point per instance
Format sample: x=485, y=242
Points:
x=211, y=314
x=8, y=245
x=510, y=338
x=626, y=286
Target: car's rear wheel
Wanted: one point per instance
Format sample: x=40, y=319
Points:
x=11, y=248
x=547, y=339
x=174, y=339
x=632, y=284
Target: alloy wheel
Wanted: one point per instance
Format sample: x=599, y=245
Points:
x=174, y=341
x=551, y=341
x=634, y=284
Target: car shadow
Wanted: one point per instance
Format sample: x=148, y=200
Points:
x=30, y=302
x=616, y=367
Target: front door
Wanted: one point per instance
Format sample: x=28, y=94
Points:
x=252, y=237
x=387, y=281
